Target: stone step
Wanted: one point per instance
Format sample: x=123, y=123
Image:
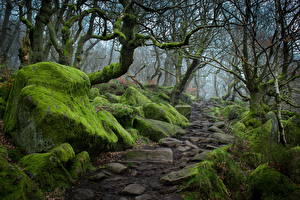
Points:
x=159, y=155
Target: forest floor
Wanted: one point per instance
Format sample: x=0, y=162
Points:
x=153, y=171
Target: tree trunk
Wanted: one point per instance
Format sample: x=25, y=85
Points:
x=179, y=87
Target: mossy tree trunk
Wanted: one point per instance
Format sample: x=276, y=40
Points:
x=33, y=45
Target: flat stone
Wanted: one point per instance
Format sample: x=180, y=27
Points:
x=123, y=198
x=215, y=129
x=183, y=148
x=83, y=194
x=176, y=177
x=220, y=124
x=97, y=177
x=223, y=138
x=162, y=155
x=188, y=143
x=195, y=139
x=117, y=168
x=135, y=189
x=208, y=146
x=170, y=142
x=144, y=197
x=200, y=156
x=184, y=110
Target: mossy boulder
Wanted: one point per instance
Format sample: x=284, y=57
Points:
x=56, y=168
x=293, y=164
x=134, y=97
x=164, y=112
x=14, y=183
x=226, y=167
x=155, y=129
x=49, y=105
x=93, y=93
x=206, y=183
x=232, y=112
x=185, y=110
x=80, y=165
x=292, y=129
x=267, y=183
x=2, y=107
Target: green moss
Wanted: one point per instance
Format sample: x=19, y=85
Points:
x=133, y=97
x=49, y=169
x=15, y=184
x=232, y=112
x=113, y=87
x=232, y=175
x=164, y=112
x=155, y=129
x=2, y=107
x=252, y=159
x=185, y=110
x=49, y=105
x=93, y=93
x=251, y=120
x=292, y=129
x=112, y=126
x=63, y=152
x=293, y=164
x=113, y=98
x=239, y=129
x=80, y=165
x=206, y=184
x=267, y=183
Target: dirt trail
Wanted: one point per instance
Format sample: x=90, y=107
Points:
x=142, y=175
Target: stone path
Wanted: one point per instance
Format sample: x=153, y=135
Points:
x=155, y=172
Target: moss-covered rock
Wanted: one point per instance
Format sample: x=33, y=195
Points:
x=2, y=107
x=155, y=129
x=231, y=173
x=49, y=105
x=47, y=169
x=293, y=164
x=292, y=129
x=56, y=168
x=14, y=183
x=134, y=97
x=80, y=165
x=164, y=112
x=113, y=98
x=206, y=184
x=238, y=129
x=185, y=110
x=267, y=183
x=232, y=112
x=93, y=93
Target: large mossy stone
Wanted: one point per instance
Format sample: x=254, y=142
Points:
x=155, y=129
x=164, y=112
x=49, y=105
x=267, y=183
x=56, y=168
x=185, y=110
x=14, y=183
x=134, y=97
x=292, y=129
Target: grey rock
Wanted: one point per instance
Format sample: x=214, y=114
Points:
x=215, y=129
x=220, y=124
x=183, y=148
x=135, y=189
x=209, y=146
x=188, y=143
x=176, y=177
x=123, y=198
x=117, y=168
x=223, y=138
x=195, y=139
x=201, y=156
x=83, y=194
x=97, y=177
x=170, y=142
x=144, y=197
x=163, y=155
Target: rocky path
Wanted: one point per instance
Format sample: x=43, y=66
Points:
x=156, y=171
